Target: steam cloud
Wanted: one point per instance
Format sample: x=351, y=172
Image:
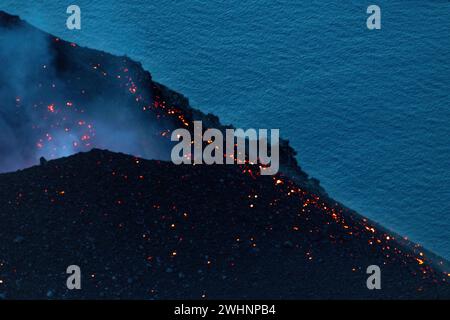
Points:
x=55, y=103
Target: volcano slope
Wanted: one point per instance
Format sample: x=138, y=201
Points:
x=142, y=229
x=57, y=99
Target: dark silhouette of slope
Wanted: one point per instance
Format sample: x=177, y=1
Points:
x=152, y=230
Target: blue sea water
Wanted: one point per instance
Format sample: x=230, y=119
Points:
x=367, y=111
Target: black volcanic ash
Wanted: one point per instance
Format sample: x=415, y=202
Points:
x=153, y=230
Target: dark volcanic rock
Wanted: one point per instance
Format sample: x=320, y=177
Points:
x=153, y=230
